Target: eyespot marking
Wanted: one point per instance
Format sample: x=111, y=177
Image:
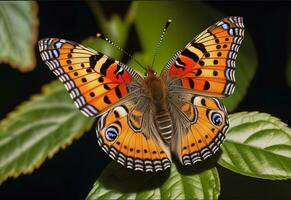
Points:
x=111, y=133
x=216, y=118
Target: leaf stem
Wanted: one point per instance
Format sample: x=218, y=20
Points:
x=98, y=13
x=130, y=15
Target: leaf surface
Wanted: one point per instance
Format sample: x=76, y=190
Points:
x=257, y=145
x=117, y=182
x=37, y=129
x=18, y=33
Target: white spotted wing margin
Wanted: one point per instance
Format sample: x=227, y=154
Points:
x=50, y=55
x=234, y=26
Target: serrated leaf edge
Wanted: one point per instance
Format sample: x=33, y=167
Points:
x=274, y=120
x=45, y=91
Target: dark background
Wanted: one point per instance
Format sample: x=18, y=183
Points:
x=72, y=172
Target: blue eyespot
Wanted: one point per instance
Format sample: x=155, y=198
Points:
x=216, y=118
x=111, y=133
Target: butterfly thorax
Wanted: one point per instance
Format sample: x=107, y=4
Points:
x=158, y=93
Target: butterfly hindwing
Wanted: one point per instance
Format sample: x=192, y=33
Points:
x=207, y=64
x=131, y=146
x=95, y=81
x=205, y=131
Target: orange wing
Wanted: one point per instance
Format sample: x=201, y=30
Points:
x=121, y=136
x=95, y=81
x=208, y=123
x=207, y=64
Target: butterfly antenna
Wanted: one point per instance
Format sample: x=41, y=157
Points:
x=160, y=41
x=99, y=35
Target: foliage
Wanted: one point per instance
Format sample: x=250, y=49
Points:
x=18, y=34
x=257, y=145
x=37, y=129
x=117, y=182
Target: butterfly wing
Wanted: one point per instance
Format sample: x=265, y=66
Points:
x=101, y=86
x=195, y=76
x=126, y=134
x=95, y=82
x=207, y=64
x=201, y=126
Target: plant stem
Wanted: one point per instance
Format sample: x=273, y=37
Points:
x=98, y=13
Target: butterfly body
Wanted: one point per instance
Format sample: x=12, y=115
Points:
x=157, y=92
x=144, y=120
x=159, y=96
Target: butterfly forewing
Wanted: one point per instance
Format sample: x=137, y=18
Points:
x=95, y=81
x=207, y=64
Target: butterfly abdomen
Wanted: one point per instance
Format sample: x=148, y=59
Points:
x=164, y=125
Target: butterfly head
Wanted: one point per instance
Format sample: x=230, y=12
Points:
x=150, y=73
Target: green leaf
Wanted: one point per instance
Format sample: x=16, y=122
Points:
x=37, y=129
x=117, y=182
x=18, y=33
x=115, y=28
x=117, y=31
x=188, y=20
x=257, y=145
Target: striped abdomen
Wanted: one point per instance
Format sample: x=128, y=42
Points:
x=164, y=125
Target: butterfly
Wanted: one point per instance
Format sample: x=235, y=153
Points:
x=143, y=120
